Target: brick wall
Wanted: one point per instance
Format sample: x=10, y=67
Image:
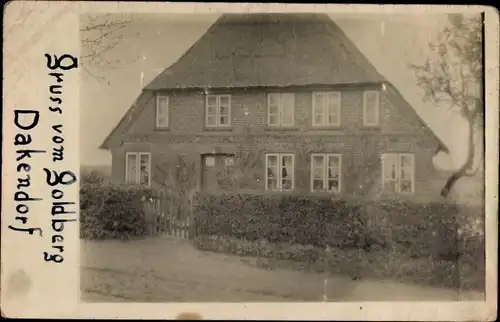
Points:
x=399, y=131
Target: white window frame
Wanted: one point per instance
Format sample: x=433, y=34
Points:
x=217, y=110
x=326, y=111
x=365, y=108
x=279, y=160
x=280, y=110
x=397, y=183
x=326, y=162
x=167, y=107
x=138, y=165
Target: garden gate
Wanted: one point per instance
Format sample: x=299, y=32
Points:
x=171, y=215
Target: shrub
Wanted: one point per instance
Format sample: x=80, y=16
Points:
x=434, y=229
x=112, y=211
x=281, y=219
x=442, y=230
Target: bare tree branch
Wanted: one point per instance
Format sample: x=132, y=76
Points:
x=101, y=37
x=452, y=67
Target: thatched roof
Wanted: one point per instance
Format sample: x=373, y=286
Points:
x=249, y=50
x=266, y=50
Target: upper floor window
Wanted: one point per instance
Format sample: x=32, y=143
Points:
x=280, y=171
x=138, y=168
x=371, y=108
x=281, y=109
x=326, y=108
x=161, y=111
x=326, y=170
x=218, y=110
x=398, y=172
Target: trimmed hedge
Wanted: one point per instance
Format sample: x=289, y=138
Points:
x=302, y=220
x=113, y=211
x=437, y=229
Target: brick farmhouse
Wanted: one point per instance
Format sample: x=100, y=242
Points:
x=276, y=103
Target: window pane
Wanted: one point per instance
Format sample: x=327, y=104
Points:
x=273, y=119
x=287, y=167
x=318, y=173
x=405, y=174
x=224, y=110
x=272, y=172
x=224, y=100
x=131, y=168
x=162, y=106
x=406, y=186
x=286, y=184
x=272, y=184
x=211, y=120
x=333, y=173
x=371, y=107
x=162, y=102
x=333, y=161
x=288, y=109
x=162, y=120
x=287, y=116
x=317, y=185
x=319, y=108
x=371, y=114
x=333, y=185
x=273, y=99
x=212, y=100
x=390, y=166
x=273, y=109
x=144, y=170
x=406, y=161
x=272, y=161
x=333, y=116
x=371, y=97
x=333, y=119
x=162, y=111
x=333, y=108
x=319, y=119
x=211, y=109
x=318, y=161
x=224, y=120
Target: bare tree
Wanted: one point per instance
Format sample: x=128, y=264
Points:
x=452, y=74
x=101, y=36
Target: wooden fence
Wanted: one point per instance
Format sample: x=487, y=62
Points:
x=168, y=215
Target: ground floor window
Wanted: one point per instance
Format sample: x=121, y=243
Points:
x=138, y=168
x=398, y=172
x=326, y=172
x=280, y=170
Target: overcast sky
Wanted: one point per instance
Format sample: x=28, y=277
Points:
x=153, y=42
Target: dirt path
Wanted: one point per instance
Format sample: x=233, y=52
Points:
x=163, y=270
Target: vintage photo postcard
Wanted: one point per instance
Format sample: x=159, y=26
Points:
x=249, y=161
